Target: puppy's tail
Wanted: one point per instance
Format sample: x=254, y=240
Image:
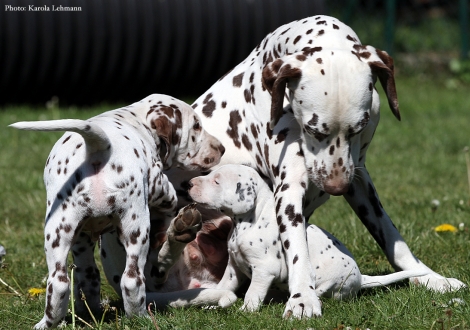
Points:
x=382, y=280
x=95, y=137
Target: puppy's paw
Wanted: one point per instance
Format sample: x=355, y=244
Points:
x=228, y=299
x=250, y=306
x=187, y=223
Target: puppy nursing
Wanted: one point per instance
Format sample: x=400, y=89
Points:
x=255, y=249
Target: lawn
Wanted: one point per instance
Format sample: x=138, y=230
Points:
x=412, y=162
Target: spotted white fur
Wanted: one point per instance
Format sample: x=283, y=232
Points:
x=104, y=173
x=255, y=249
x=317, y=69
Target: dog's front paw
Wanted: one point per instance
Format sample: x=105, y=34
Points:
x=302, y=305
x=438, y=283
x=250, y=306
x=227, y=299
x=187, y=223
x=43, y=324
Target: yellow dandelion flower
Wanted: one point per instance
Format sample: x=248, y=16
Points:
x=36, y=291
x=445, y=227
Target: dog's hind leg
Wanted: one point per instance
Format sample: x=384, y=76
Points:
x=133, y=232
x=86, y=275
x=59, y=232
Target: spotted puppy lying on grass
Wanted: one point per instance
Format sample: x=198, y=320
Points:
x=255, y=249
x=107, y=172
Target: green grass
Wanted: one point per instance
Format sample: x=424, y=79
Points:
x=412, y=162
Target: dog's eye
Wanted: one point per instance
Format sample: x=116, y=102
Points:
x=196, y=126
x=216, y=182
x=359, y=126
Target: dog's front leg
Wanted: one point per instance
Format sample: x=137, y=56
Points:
x=232, y=278
x=364, y=199
x=303, y=301
x=258, y=290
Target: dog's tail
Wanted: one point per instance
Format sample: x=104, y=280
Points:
x=95, y=137
x=382, y=280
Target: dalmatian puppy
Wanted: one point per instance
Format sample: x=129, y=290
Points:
x=106, y=172
x=317, y=69
x=255, y=249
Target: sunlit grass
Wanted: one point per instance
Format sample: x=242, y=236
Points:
x=412, y=162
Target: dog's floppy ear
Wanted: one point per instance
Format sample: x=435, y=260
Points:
x=383, y=68
x=164, y=129
x=274, y=79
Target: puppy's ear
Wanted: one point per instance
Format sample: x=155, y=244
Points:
x=274, y=79
x=164, y=130
x=382, y=66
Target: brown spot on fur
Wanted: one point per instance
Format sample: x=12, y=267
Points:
x=232, y=131
x=310, y=50
x=286, y=244
x=237, y=80
x=296, y=258
x=294, y=218
x=66, y=139
x=246, y=142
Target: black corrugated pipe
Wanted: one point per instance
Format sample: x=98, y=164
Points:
x=123, y=50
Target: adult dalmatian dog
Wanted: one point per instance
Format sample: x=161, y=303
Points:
x=318, y=69
x=107, y=172
x=254, y=246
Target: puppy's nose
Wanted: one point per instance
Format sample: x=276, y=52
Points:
x=190, y=184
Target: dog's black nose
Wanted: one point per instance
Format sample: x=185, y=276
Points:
x=190, y=185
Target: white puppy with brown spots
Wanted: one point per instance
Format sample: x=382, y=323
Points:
x=106, y=172
x=255, y=249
